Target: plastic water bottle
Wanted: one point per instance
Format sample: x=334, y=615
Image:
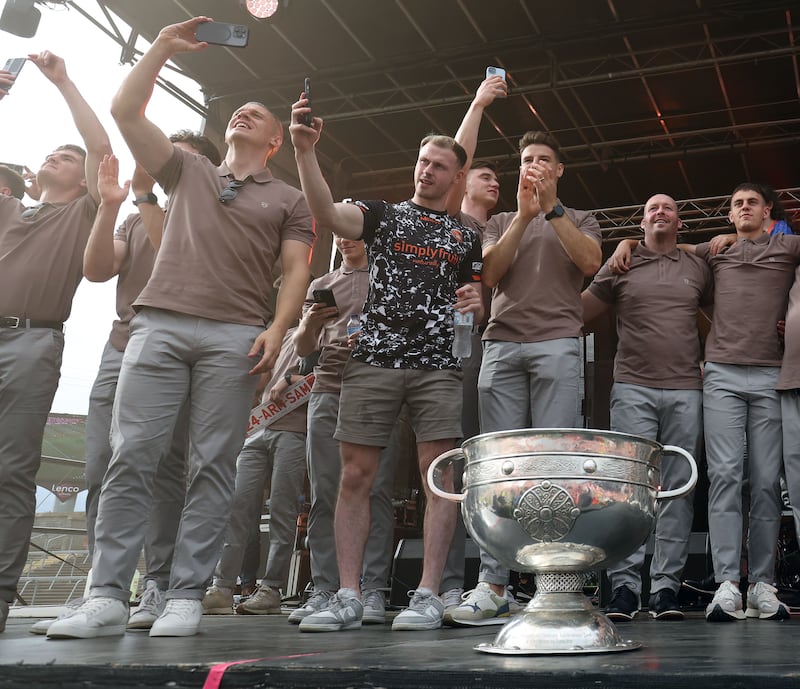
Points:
x=462, y=342
x=353, y=324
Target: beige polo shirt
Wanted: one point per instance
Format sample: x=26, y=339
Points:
x=539, y=298
x=41, y=259
x=751, y=291
x=350, y=292
x=216, y=259
x=133, y=275
x=656, y=304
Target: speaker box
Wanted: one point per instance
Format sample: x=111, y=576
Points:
x=407, y=568
x=698, y=566
x=21, y=18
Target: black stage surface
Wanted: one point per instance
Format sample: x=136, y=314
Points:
x=692, y=653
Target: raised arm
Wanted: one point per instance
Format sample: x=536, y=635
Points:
x=103, y=255
x=342, y=219
x=497, y=259
x=583, y=251
x=151, y=213
x=467, y=134
x=149, y=145
x=296, y=276
x=94, y=136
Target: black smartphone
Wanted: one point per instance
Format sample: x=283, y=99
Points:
x=306, y=119
x=15, y=65
x=324, y=296
x=220, y=33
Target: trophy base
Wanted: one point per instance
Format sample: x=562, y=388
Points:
x=558, y=622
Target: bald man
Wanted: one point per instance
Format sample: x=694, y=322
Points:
x=658, y=388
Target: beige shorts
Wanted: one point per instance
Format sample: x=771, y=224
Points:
x=371, y=398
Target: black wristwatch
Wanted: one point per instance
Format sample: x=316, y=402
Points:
x=557, y=212
x=288, y=378
x=149, y=197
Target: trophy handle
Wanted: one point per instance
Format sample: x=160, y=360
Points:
x=453, y=497
x=667, y=494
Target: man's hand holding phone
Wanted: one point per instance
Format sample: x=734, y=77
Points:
x=308, y=118
x=304, y=136
x=181, y=38
x=9, y=73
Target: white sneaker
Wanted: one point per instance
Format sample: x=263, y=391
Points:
x=763, y=604
x=425, y=611
x=98, y=616
x=726, y=604
x=318, y=601
x=151, y=605
x=344, y=611
x=181, y=617
x=374, y=602
x=42, y=626
x=451, y=600
x=482, y=606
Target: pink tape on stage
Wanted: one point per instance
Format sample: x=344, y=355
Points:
x=216, y=672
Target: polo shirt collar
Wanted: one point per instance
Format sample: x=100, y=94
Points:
x=648, y=254
x=350, y=271
x=261, y=177
x=763, y=238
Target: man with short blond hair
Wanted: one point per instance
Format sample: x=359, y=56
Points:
x=423, y=265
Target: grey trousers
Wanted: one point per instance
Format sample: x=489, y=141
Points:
x=741, y=405
x=527, y=385
x=670, y=417
x=454, y=566
x=170, y=482
x=168, y=355
x=324, y=470
x=280, y=458
x=30, y=364
x=790, y=417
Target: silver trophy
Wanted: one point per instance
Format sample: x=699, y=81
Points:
x=558, y=502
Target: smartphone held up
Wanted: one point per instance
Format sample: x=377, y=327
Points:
x=307, y=117
x=221, y=33
x=496, y=72
x=14, y=65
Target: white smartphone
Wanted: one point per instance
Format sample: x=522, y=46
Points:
x=495, y=72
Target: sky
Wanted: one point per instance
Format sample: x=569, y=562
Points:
x=34, y=120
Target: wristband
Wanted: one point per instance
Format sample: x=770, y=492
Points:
x=149, y=197
x=288, y=378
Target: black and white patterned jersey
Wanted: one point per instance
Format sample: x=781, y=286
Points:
x=417, y=260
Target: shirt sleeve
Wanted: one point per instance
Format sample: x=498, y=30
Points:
x=471, y=267
x=587, y=223
x=702, y=251
x=373, y=214
x=602, y=286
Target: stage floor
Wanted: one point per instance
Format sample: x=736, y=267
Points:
x=751, y=654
